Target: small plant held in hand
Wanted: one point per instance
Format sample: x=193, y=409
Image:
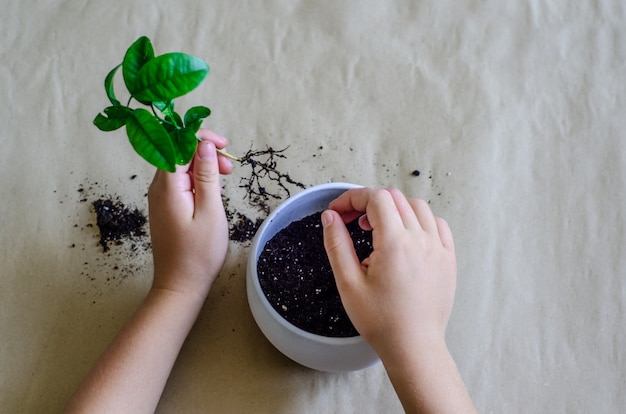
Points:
x=164, y=138
x=158, y=134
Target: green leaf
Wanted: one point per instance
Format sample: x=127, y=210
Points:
x=108, y=86
x=168, y=76
x=164, y=106
x=137, y=55
x=194, y=117
x=115, y=117
x=175, y=119
x=185, y=141
x=195, y=126
x=151, y=140
x=169, y=127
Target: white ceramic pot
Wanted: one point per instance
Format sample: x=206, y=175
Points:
x=314, y=351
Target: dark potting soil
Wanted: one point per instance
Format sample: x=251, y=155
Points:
x=117, y=222
x=242, y=228
x=296, y=277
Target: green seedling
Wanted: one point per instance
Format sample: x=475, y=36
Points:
x=155, y=130
x=164, y=138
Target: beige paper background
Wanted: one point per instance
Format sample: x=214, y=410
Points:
x=513, y=112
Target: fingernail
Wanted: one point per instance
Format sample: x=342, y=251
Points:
x=206, y=150
x=327, y=218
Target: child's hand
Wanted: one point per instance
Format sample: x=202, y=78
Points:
x=402, y=295
x=188, y=224
x=189, y=242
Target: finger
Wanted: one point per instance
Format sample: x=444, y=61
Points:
x=340, y=250
x=445, y=233
x=225, y=164
x=178, y=180
x=156, y=178
x=424, y=215
x=364, y=223
x=208, y=135
x=405, y=209
x=377, y=203
x=206, y=178
x=154, y=186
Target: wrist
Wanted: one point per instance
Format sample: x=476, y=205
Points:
x=409, y=345
x=193, y=285
x=177, y=296
x=426, y=378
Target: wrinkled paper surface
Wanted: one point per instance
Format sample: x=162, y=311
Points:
x=513, y=112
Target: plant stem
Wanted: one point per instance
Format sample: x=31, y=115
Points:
x=227, y=155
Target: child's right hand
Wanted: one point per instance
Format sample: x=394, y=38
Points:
x=401, y=297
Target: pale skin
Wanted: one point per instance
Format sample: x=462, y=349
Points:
x=399, y=299
x=189, y=235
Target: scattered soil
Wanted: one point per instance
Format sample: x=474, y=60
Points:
x=243, y=229
x=296, y=277
x=118, y=222
x=120, y=230
x=103, y=223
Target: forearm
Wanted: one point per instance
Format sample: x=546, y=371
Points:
x=131, y=374
x=427, y=380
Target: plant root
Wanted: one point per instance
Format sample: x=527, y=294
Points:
x=263, y=164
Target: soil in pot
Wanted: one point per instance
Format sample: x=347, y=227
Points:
x=296, y=277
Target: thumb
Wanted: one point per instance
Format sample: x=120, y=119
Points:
x=340, y=249
x=206, y=176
